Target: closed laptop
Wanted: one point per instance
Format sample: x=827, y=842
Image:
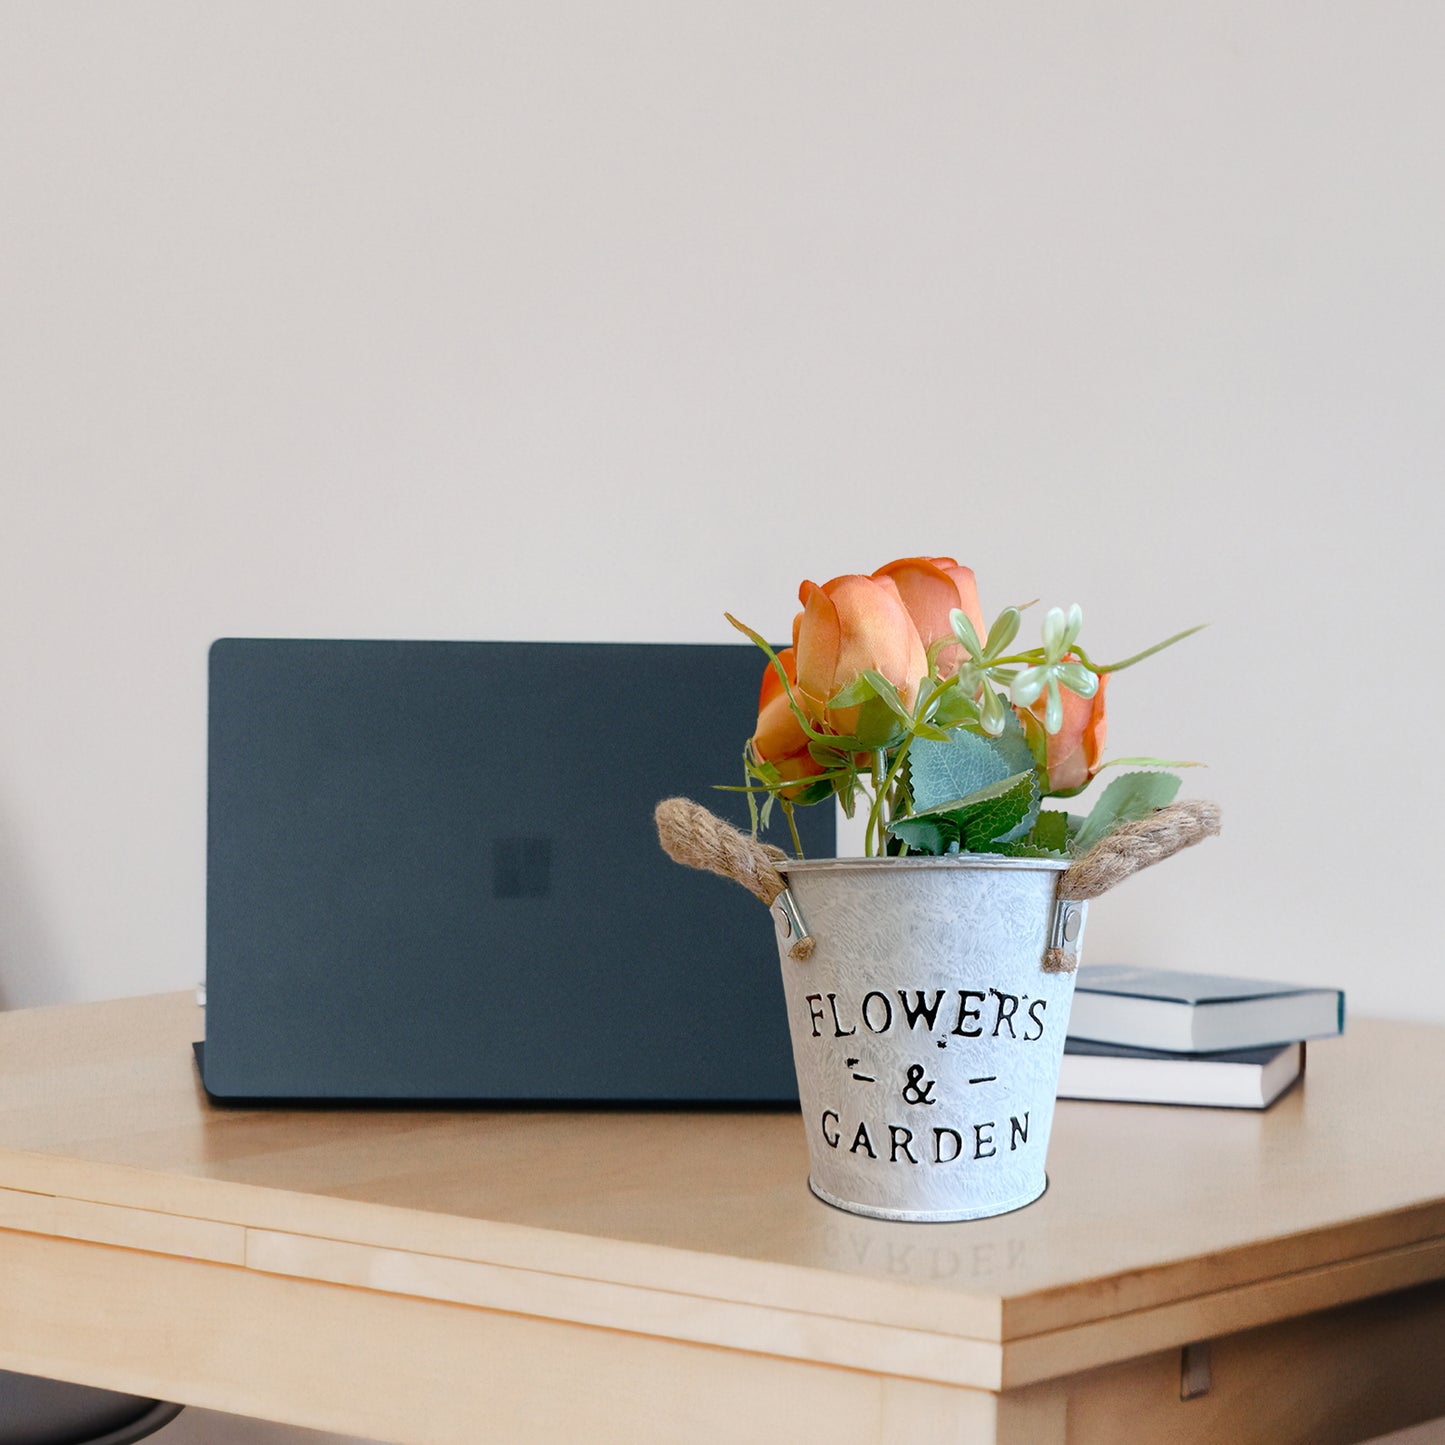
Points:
x=433, y=875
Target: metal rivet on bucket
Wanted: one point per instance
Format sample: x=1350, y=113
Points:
x=790, y=918
x=1066, y=935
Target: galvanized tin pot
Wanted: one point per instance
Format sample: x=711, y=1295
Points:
x=928, y=1000
x=926, y=1033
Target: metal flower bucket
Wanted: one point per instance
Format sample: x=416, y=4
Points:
x=928, y=1000
x=926, y=1033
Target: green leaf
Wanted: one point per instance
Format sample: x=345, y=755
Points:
x=926, y=835
x=765, y=813
x=829, y=754
x=929, y=731
x=815, y=792
x=1051, y=831
x=1012, y=745
x=1005, y=818
x=954, y=707
x=973, y=800
x=748, y=773
x=1001, y=812
x=888, y=693
x=1125, y=800
x=1026, y=850
x=945, y=772
x=858, y=691
x=949, y=772
x=766, y=773
x=878, y=726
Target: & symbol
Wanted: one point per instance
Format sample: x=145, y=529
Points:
x=917, y=1090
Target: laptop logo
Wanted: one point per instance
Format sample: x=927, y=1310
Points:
x=522, y=867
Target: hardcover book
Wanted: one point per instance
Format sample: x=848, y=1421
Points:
x=1157, y=1008
x=1237, y=1079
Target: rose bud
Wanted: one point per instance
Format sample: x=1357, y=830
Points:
x=779, y=738
x=1070, y=756
x=931, y=587
x=846, y=626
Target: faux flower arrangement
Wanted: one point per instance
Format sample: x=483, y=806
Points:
x=894, y=694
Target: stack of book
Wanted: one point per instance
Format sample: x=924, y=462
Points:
x=1153, y=1036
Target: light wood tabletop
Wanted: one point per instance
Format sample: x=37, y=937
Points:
x=447, y=1276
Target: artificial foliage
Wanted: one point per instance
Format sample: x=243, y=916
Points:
x=895, y=698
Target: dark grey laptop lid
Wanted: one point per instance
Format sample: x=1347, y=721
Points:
x=433, y=874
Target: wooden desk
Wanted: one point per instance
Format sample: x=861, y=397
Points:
x=529, y=1276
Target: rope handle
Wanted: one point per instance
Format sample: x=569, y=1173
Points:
x=690, y=834
x=1123, y=853
x=1139, y=845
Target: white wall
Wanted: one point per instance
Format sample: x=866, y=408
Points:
x=576, y=320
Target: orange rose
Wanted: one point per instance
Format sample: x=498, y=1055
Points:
x=779, y=738
x=931, y=587
x=1071, y=755
x=779, y=734
x=847, y=625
